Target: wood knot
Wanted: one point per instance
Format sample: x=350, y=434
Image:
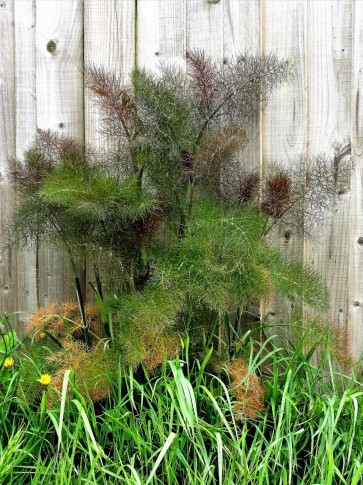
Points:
x=51, y=46
x=360, y=240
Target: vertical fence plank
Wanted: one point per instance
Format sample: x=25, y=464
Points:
x=109, y=42
x=59, y=84
x=8, y=263
x=148, y=34
x=26, y=123
x=241, y=34
x=161, y=32
x=204, y=24
x=329, y=122
x=284, y=120
x=173, y=31
x=355, y=294
x=283, y=124
x=241, y=27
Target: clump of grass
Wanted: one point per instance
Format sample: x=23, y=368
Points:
x=179, y=426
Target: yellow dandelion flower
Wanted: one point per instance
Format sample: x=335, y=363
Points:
x=42, y=335
x=9, y=362
x=45, y=379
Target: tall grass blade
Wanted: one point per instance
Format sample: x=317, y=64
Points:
x=220, y=457
x=162, y=453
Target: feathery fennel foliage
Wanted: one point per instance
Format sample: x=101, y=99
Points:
x=185, y=245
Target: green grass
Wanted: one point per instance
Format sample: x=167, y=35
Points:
x=179, y=427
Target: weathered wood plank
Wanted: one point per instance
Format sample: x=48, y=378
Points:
x=204, y=26
x=241, y=33
x=161, y=32
x=173, y=31
x=241, y=27
x=329, y=122
x=148, y=34
x=109, y=41
x=26, y=124
x=60, y=107
x=8, y=262
x=355, y=290
x=284, y=122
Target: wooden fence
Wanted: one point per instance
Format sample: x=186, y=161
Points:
x=45, y=43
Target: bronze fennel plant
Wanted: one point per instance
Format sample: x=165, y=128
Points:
x=179, y=244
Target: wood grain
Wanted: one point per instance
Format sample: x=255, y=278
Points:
x=329, y=122
x=241, y=27
x=60, y=107
x=204, y=27
x=241, y=33
x=8, y=260
x=284, y=122
x=109, y=42
x=26, y=125
x=161, y=26
x=355, y=289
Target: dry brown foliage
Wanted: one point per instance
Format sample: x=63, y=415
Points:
x=116, y=100
x=276, y=195
x=246, y=388
x=214, y=153
x=248, y=187
x=60, y=319
x=159, y=348
x=92, y=368
x=203, y=77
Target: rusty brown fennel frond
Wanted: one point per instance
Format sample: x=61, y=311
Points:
x=48, y=150
x=276, y=195
x=299, y=199
x=248, y=187
x=203, y=79
x=115, y=100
